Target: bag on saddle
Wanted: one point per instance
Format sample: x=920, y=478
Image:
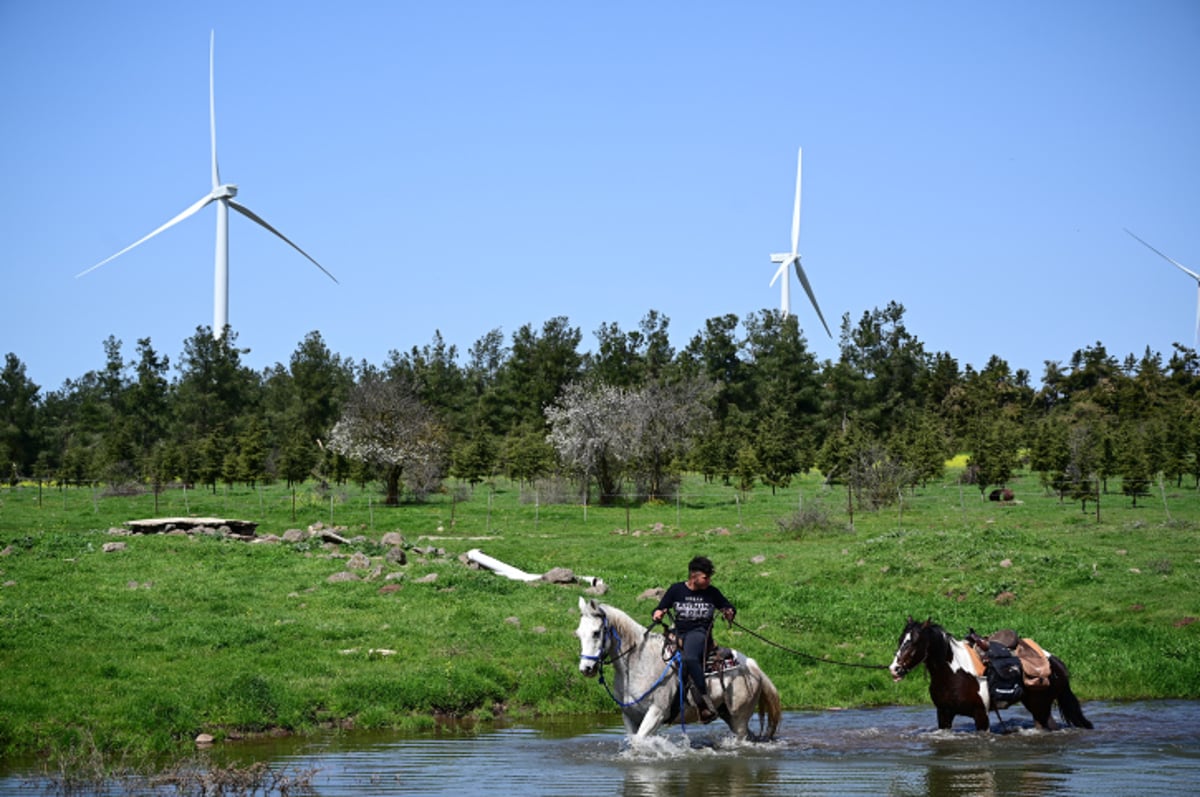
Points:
x=1004, y=678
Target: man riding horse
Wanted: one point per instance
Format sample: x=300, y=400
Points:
x=694, y=603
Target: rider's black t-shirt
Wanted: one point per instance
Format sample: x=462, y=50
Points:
x=693, y=608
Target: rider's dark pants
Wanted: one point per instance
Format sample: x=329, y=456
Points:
x=694, y=643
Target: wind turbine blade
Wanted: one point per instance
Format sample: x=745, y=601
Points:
x=796, y=209
x=245, y=211
x=193, y=209
x=212, y=110
x=1174, y=262
x=782, y=272
x=811, y=296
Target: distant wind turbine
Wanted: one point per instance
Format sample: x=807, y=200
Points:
x=1185, y=270
x=223, y=195
x=786, y=260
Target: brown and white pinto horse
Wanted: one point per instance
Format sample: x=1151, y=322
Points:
x=958, y=687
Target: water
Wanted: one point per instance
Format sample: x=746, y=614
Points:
x=1136, y=749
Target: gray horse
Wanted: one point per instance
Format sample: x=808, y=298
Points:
x=645, y=680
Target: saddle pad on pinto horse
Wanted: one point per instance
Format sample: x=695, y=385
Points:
x=1035, y=662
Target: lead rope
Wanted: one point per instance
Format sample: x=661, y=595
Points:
x=793, y=651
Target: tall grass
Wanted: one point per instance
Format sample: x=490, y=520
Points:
x=140, y=649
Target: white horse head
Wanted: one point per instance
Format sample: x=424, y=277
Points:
x=594, y=635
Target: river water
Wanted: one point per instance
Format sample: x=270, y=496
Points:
x=1140, y=748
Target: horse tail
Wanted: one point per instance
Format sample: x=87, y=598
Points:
x=1068, y=703
x=769, y=707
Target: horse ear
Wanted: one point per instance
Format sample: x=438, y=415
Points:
x=582, y=605
x=929, y=621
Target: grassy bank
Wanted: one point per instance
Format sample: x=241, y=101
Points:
x=141, y=649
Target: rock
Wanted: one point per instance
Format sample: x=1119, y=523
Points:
x=359, y=561
x=388, y=589
x=342, y=577
x=1006, y=563
x=654, y=594
x=757, y=560
x=110, y=547
x=393, y=538
x=396, y=556
x=513, y=621
x=1005, y=598
x=599, y=589
x=204, y=739
x=293, y=535
x=559, y=575
x=427, y=579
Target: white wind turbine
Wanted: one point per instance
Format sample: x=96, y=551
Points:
x=223, y=195
x=1187, y=271
x=786, y=260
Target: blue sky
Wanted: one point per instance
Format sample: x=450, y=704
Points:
x=468, y=166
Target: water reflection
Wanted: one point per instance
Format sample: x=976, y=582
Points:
x=1136, y=749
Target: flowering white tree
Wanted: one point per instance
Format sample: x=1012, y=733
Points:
x=590, y=429
x=385, y=425
x=607, y=433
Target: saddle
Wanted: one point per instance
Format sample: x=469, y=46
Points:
x=1032, y=661
x=717, y=658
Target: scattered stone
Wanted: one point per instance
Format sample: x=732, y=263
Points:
x=8, y=549
x=1005, y=598
x=392, y=538
x=1006, y=563
x=111, y=547
x=204, y=740
x=539, y=629
x=293, y=535
x=396, y=556
x=359, y=561
x=345, y=575
x=1135, y=570
x=654, y=594
x=388, y=589
x=427, y=579
x=1184, y=621
x=599, y=589
x=515, y=621
x=559, y=575
x=395, y=576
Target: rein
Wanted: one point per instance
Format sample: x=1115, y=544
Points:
x=809, y=656
x=674, y=662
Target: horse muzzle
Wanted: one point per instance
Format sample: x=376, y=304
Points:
x=897, y=672
x=588, y=668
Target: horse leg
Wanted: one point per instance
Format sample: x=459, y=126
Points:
x=650, y=722
x=982, y=723
x=945, y=718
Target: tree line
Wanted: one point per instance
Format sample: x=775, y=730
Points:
x=744, y=402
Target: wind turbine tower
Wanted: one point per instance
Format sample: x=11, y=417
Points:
x=223, y=195
x=791, y=259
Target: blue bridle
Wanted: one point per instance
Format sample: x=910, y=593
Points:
x=609, y=634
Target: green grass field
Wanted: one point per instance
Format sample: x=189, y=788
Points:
x=141, y=649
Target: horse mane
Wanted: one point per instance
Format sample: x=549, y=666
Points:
x=628, y=628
